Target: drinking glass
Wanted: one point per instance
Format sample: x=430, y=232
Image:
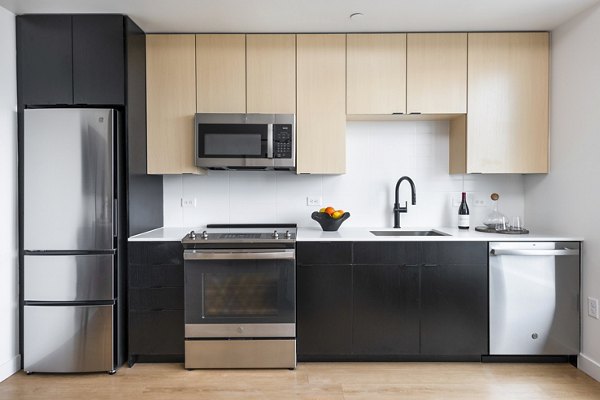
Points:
x=516, y=224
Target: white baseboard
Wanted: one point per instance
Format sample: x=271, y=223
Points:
x=10, y=367
x=589, y=366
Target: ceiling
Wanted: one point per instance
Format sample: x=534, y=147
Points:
x=321, y=15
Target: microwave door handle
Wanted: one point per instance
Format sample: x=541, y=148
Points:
x=269, y=140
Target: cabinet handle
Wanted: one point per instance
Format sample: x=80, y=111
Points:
x=397, y=113
x=410, y=265
x=431, y=265
x=415, y=113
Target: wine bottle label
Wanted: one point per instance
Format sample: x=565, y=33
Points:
x=463, y=221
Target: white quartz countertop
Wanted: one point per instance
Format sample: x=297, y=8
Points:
x=351, y=234
x=357, y=234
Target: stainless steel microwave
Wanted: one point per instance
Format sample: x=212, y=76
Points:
x=246, y=141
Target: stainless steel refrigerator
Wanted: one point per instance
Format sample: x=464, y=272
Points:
x=70, y=200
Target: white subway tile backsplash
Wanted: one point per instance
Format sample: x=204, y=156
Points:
x=378, y=153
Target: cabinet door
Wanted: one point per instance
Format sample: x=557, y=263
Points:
x=321, y=94
x=454, y=299
x=271, y=74
x=386, y=310
x=376, y=73
x=324, y=311
x=98, y=60
x=221, y=73
x=171, y=99
x=507, y=122
x=155, y=285
x=45, y=58
x=436, y=77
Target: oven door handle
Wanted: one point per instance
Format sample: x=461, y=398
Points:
x=239, y=255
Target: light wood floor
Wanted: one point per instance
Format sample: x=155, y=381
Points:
x=323, y=381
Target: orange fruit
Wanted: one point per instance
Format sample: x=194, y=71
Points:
x=330, y=210
x=337, y=215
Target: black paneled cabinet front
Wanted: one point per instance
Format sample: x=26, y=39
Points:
x=156, y=320
x=324, y=300
x=385, y=300
x=454, y=299
x=71, y=59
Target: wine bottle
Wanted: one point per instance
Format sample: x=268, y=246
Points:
x=463, y=213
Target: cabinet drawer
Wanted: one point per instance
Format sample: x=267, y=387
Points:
x=320, y=253
x=390, y=253
x=156, y=332
x=156, y=299
x=458, y=253
x=154, y=276
x=156, y=253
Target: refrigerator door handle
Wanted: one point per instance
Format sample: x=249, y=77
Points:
x=115, y=217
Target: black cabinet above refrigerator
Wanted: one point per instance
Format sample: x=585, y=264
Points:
x=71, y=59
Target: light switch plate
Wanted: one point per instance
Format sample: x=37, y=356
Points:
x=593, y=307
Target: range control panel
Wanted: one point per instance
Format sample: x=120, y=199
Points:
x=282, y=141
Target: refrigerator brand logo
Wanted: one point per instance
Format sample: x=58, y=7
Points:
x=101, y=119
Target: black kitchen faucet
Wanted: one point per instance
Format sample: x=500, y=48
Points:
x=397, y=208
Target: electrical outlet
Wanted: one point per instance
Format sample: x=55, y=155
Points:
x=593, y=307
x=480, y=203
x=188, y=203
x=313, y=201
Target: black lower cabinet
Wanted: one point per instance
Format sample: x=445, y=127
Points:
x=386, y=310
x=454, y=299
x=394, y=300
x=156, y=316
x=324, y=311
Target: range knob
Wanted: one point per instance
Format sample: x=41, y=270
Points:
x=204, y=235
x=275, y=234
x=288, y=235
x=193, y=235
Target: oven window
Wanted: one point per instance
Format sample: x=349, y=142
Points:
x=240, y=295
x=240, y=291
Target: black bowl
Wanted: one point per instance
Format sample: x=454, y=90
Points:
x=328, y=223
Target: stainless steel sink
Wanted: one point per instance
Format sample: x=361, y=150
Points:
x=431, y=232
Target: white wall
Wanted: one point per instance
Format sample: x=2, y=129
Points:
x=567, y=200
x=9, y=276
x=378, y=153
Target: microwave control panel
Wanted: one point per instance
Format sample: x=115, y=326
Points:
x=282, y=141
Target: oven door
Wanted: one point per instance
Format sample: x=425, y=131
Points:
x=240, y=293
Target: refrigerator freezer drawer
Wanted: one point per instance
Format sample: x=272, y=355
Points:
x=69, y=277
x=68, y=338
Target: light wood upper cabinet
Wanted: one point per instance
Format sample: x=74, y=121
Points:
x=321, y=92
x=436, y=77
x=271, y=74
x=221, y=73
x=507, y=120
x=376, y=73
x=171, y=103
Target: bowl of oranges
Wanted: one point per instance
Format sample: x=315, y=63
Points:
x=329, y=218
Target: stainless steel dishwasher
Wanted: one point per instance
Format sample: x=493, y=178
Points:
x=534, y=298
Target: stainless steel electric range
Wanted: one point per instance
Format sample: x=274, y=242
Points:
x=240, y=296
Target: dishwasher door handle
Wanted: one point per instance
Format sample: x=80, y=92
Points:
x=542, y=252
